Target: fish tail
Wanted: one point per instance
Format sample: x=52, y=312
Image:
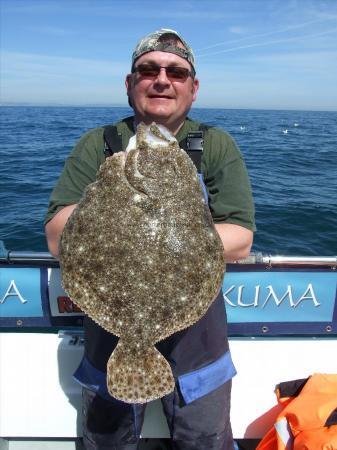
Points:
x=138, y=375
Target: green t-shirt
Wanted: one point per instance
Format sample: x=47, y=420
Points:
x=222, y=166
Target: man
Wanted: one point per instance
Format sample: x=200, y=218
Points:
x=162, y=87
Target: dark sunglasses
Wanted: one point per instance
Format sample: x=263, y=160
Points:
x=173, y=73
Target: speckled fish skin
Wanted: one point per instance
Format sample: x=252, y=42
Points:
x=140, y=255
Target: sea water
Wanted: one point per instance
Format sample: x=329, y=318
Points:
x=291, y=157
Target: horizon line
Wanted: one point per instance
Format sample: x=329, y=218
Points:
x=105, y=105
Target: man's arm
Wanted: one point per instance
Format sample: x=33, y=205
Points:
x=237, y=240
x=55, y=227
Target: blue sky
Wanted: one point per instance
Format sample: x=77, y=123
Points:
x=277, y=54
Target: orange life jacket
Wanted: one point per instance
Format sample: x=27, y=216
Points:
x=308, y=420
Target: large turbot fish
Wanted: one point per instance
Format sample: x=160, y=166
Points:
x=140, y=255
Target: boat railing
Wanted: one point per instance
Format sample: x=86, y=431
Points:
x=265, y=295
x=258, y=258
x=278, y=260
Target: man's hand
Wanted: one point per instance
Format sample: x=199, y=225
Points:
x=55, y=227
x=237, y=240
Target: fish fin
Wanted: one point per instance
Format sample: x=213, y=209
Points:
x=138, y=375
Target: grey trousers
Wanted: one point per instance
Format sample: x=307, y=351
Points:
x=203, y=424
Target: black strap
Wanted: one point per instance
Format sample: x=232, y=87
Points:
x=112, y=141
x=291, y=388
x=332, y=419
x=193, y=144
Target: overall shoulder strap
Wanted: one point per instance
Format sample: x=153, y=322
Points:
x=112, y=140
x=193, y=144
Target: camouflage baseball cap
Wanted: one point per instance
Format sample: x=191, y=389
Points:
x=153, y=42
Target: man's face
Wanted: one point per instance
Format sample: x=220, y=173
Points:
x=161, y=99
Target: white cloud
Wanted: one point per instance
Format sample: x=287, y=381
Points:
x=236, y=30
x=23, y=65
x=49, y=79
x=269, y=43
x=315, y=61
x=280, y=31
x=52, y=31
x=146, y=9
